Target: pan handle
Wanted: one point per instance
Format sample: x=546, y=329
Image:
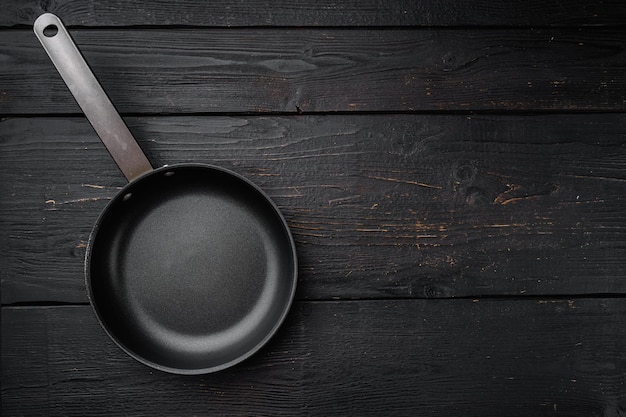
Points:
x=90, y=96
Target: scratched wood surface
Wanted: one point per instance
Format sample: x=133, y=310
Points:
x=331, y=70
x=454, y=174
x=396, y=13
x=402, y=206
x=440, y=357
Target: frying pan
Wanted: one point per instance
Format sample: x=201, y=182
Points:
x=190, y=268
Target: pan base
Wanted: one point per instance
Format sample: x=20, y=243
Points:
x=191, y=268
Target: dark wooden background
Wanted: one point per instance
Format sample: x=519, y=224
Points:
x=454, y=173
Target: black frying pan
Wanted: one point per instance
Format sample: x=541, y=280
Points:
x=191, y=268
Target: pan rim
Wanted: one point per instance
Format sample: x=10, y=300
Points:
x=201, y=370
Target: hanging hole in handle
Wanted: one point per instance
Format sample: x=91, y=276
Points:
x=50, y=31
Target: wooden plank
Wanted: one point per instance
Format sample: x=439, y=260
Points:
x=380, y=206
x=221, y=13
x=330, y=70
x=443, y=357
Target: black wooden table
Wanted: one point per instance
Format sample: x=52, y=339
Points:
x=454, y=173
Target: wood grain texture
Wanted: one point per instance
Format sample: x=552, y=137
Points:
x=454, y=174
x=330, y=70
x=439, y=357
x=402, y=206
x=223, y=13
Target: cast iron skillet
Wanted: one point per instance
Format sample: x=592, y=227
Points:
x=191, y=268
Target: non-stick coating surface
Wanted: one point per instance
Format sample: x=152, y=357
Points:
x=191, y=269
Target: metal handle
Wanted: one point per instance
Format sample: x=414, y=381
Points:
x=90, y=96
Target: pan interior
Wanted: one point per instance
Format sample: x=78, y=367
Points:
x=191, y=268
